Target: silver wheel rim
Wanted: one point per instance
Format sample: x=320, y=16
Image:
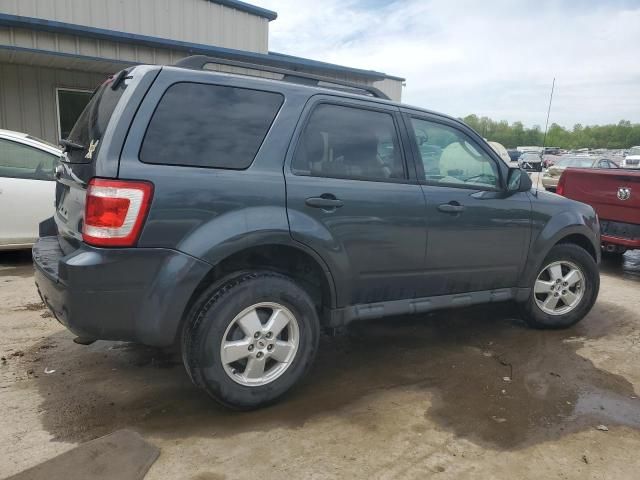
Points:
x=259, y=344
x=559, y=288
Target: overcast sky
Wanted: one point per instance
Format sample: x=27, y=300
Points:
x=494, y=58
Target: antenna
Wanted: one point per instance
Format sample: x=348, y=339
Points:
x=546, y=129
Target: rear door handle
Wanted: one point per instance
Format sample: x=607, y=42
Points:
x=324, y=202
x=451, y=207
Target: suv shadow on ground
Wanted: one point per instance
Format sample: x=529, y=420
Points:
x=487, y=378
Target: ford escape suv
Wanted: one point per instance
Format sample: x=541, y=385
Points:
x=237, y=216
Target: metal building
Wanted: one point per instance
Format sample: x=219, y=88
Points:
x=53, y=53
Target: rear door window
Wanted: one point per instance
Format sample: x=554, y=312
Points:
x=213, y=126
x=347, y=142
x=92, y=123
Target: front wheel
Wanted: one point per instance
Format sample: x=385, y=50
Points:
x=250, y=339
x=564, y=290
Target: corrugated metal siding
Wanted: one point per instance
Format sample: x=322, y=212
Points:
x=73, y=44
x=393, y=88
x=28, y=93
x=124, y=52
x=28, y=97
x=199, y=21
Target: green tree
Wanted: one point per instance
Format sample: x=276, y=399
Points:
x=624, y=134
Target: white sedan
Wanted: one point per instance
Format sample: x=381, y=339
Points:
x=27, y=187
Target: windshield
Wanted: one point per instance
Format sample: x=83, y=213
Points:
x=92, y=123
x=634, y=151
x=530, y=156
x=575, y=162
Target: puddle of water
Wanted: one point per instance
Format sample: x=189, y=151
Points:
x=490, y=379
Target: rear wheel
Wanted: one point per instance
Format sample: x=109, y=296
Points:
x=250, y=339
x=564, y=290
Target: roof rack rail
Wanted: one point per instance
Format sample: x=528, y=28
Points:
x=198, y=62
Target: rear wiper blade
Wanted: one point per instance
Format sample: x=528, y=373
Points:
x=69, y=145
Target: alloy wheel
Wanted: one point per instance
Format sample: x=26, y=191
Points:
x=559, y=288
x=259, y=344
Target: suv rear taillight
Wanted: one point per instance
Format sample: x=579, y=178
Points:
x=560, y=186
x=115, y=211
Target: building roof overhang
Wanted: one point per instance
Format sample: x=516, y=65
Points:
x=189, y=48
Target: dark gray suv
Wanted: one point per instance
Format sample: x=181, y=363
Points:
x=236, y=216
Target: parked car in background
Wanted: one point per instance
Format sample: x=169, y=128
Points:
x=615, y=195
x=27, y=187
x=548, y=160
x=514, y=154
x=551, y=176
x=240, y=215
x=531, y=161
x=632, y=158
x=551, y=151
x=530, y=148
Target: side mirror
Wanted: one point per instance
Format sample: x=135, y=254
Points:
x=518, y=181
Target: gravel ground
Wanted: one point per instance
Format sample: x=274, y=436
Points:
x=461, y=394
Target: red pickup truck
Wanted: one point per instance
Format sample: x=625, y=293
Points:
x=615, y=196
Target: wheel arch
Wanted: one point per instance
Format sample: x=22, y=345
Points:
x=565, y=228
x=288, y=258
x=582, y=241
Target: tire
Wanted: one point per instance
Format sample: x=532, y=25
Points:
x=568, y=256
x=218, y=315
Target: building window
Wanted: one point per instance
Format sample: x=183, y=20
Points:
x=71, y=103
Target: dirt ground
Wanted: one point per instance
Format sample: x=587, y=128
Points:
x=459, y=394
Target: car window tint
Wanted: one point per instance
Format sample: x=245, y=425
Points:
x=450, y=157
x=209, y=126
x=348, y=142
x=22, y=161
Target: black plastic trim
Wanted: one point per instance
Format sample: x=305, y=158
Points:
x=369, y=311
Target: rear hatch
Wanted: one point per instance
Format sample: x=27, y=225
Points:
x=614, y=194
x=81, y=160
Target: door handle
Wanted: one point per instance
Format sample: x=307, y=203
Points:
x=451, y=207
x=325, y=202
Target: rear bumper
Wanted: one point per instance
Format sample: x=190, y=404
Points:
x=130, y=294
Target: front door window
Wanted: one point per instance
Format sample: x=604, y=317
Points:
x=450, y=158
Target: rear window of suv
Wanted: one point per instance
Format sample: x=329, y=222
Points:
x=92, y=123
x=213, y=126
